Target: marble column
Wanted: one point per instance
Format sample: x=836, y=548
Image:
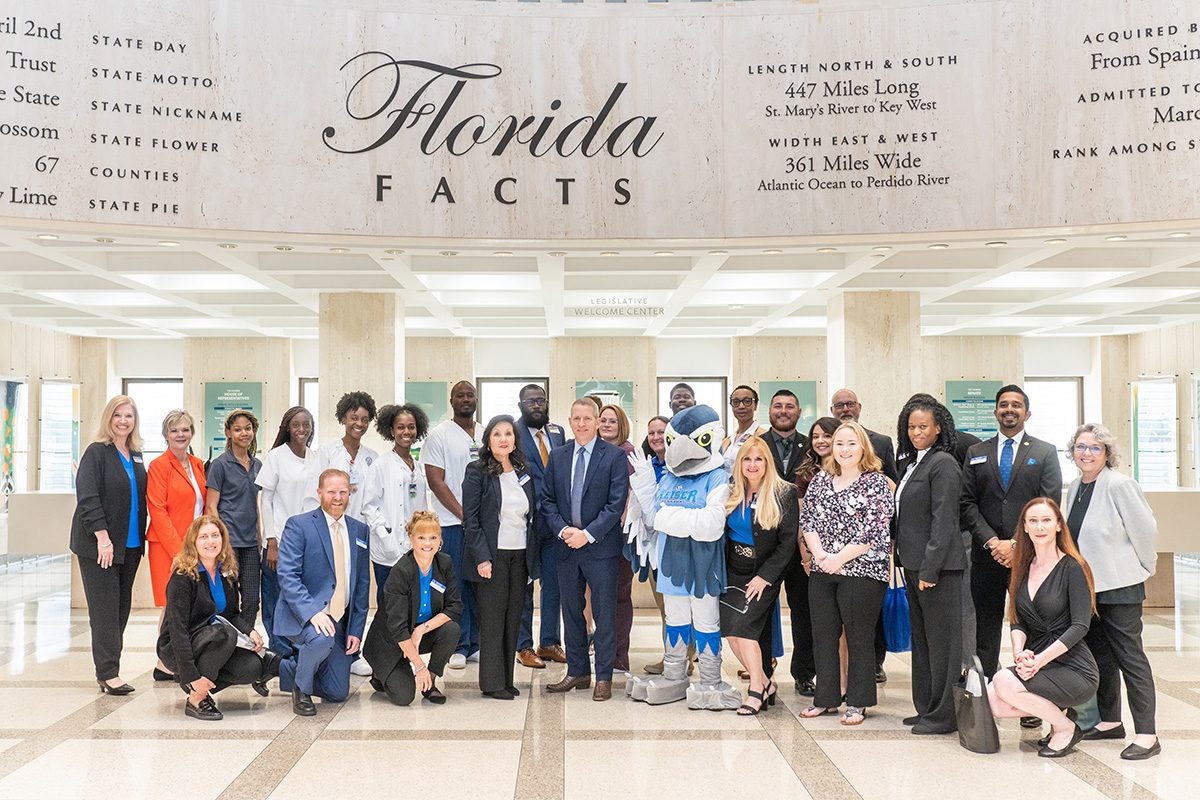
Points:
x=874, y=348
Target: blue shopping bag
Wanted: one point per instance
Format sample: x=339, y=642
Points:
x=897, y=629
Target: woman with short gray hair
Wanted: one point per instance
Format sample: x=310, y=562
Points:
x=1115, y=529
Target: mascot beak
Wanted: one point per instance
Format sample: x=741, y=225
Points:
x=683, y=453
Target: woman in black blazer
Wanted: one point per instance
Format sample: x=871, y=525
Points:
x=108, y=533
x=200, y=650
x=929, y=548
x=419, y=614
x=501, y=543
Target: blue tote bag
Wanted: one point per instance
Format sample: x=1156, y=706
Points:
x=897, y=629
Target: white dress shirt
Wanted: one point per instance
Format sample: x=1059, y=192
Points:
x=514, y=507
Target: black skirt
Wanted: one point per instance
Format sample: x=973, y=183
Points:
x=745, y=620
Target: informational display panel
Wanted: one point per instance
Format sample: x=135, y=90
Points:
x=455, y=118
x=221, y=397
x=618, y=393
x=1155, y=432
x=973, y=406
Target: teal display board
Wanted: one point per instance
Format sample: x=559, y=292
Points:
x=221, y=397
x=432, y=397
x=973, y=405
x=618, y=393
x=806, y=394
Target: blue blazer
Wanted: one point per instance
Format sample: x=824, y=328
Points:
x=605, y=488
x=533, y=465
x=306, y=577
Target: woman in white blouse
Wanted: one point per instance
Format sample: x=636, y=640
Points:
x=498, y=513
x=288, y=480
x=354, y=412
x=395, y=489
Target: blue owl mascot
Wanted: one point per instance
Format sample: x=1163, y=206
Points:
x=681, y=533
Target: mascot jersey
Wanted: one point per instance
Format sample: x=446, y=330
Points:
x=691, y=553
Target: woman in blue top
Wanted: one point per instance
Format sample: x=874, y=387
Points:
x=108, y=533
x=760, y=539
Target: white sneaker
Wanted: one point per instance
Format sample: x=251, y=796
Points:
x=361, y=667
x=473, y=658
x=457, y=661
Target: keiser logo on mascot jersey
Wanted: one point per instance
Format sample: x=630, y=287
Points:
x=684, y=527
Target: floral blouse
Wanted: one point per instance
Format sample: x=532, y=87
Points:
x=859, y=514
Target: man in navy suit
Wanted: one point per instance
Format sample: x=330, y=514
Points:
x=324, y=582
x=585, y=487
x=537, y=436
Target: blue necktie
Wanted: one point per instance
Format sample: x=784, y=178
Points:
x=1006, y=458
x=577, y=489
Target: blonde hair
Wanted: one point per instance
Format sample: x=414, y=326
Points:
x=188, y=561
x=175, y=416
x=768, y=511
x=867, y=460
x=622, y=422
x=104, y=433
x=423, y=519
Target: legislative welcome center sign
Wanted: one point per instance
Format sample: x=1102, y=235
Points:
x=458, y=118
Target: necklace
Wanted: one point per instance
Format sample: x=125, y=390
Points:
x=1085, y=492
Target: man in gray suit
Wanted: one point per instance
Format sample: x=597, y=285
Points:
x=1000, y=476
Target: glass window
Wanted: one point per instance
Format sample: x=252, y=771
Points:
x=1155, y=432
x=59, y=432
x=310, y=398
x=155, y=398
x=1056, y=406
x=709, y=392
x=500, y=395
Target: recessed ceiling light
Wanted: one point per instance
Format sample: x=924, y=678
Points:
x=826, y=249
x=772, y=252
x=103, y=240
x=47, y=236
x=1055, y=241
x=878, y=255
x=502, y=253
x=1120, y=237
x=394, y=252
x=664, y=252
x=339, y=249
x=718, y=252
x=939, y=246
x=610, y=253
x=883, y=248
x=557, y=254
x=168, y=243
x=227, y=245
x=283, y=248
x=1178, y=235
x=449, y=252
x=994, y=244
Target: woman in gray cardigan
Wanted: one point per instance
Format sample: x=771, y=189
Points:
x=1112, y=523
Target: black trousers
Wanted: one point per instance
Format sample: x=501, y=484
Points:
x=499, y=604
x=852, y=603
x=1115, y=640
x=109, y=594
x=249, y=570
x=989, y=592
x=400, y=684
x=219, y=659
x=936, y=618
x=795, y=583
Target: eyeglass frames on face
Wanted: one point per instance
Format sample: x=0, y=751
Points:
x=1094, y=449
x=846, y=404
x=534, y=402
x=741, y=401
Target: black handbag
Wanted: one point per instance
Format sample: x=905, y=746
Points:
x=976, y=726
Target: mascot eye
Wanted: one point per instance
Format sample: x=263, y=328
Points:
x=705, y=439
x=670, y=438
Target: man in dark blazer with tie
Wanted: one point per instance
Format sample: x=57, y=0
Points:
x=324, y=583
x=1000, y=476
x=585, y=487
x=537, y=436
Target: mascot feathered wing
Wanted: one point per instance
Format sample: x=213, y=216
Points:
x=685, y=515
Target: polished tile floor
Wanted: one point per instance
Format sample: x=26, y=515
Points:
x=60, y=739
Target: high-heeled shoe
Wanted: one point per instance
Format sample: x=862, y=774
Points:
x=119, y=691
x=750, y=711
x=770, y=692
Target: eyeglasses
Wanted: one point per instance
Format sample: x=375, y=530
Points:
x=741, y=401
x=534, y=402
x=846, y=404
x=1094, y=449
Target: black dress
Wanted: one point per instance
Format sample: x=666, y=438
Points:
x=1061, y=610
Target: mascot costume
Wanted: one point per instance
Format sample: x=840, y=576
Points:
x=680, y=532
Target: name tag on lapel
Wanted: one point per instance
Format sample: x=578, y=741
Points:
x=137, y=460
x=978, y=460
x=435, y=584
x=361, y=543
x=524, y=479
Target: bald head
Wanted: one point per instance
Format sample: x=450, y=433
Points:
x=463, y=400
x=844, y=405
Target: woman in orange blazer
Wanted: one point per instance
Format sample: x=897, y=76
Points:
x=174, y=497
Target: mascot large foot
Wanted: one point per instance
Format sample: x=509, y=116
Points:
x=672, y=686
x=711, y=692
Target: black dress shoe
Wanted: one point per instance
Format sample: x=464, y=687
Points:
x=119, y=691
x=162, y=675
x=434, y=695
x=808, y=688
x=880, y=675
x=1072, y=715
x=921, y=729
x=1095, y=734
x=302, y=704
x=910, y=721
x=270, y=665
x=207, y=710
x=1136, y=752
x=1050, y=752
x=514, y=691
x=499, y=694
x=1031, y=722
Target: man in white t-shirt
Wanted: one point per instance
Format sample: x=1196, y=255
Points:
x=445, y=453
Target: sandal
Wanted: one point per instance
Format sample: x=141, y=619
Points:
x=770, y=691
x=750, y=711
x=853, y=716
x=816, y=711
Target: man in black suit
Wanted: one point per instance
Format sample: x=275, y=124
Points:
x=1000, y=476
x=788, y=446
x=585, y=487
x=537, y=436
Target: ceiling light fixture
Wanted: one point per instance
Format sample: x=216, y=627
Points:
x=339, y=249
x=49, y=237
x=718, y=252
x=664, y=252
x=227, y=245
x=883, y=248
x=502, y=253
x=1178, y=235
x=103, y=240
x=826, y=249
x=394, y=252
x=772, y=252
x=610, y=253
x=283, y=248
x=1120, y=237
x=557, y=254
x=1055, y=241
x=939, y=246
x=878, y=255
x=994, y=244
x=168, y=243
x=449, y=252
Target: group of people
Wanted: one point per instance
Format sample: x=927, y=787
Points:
x=458, y=538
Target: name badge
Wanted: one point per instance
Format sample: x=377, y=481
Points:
x=524, y=479
x=354, y=476
x=754, y=504
x=412, y=488
x=474, y=450
x=978, y=460
x=361, y=543
x=435, y=584
x=137, y=459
